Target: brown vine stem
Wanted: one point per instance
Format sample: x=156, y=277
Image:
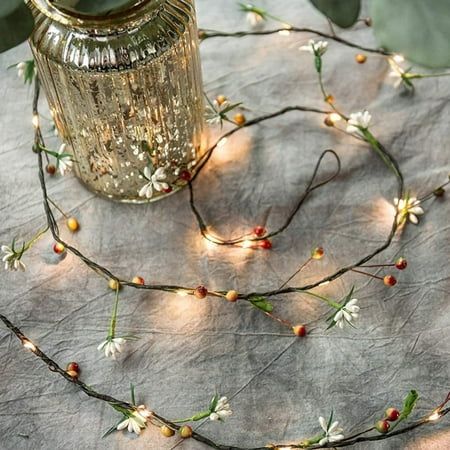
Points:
x=54, y=367
x=387, y=158
x=209, y=34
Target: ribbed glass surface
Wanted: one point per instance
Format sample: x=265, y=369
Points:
x=126, y=96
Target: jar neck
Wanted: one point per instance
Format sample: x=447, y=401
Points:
x=138, y=12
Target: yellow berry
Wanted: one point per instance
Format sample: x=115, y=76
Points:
x=185, y=431
x=360, y=58
x=166, y=431
x=232, y=296
x=113, y=284
x=221, y=99
x=72, y=224
x=239, y=119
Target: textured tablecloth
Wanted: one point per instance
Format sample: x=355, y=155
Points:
x=188, y=349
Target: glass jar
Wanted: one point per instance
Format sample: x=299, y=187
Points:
x=125, y=92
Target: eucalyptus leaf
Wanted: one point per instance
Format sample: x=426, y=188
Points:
x=344, y=13
x=16, y=23
x=418, y=30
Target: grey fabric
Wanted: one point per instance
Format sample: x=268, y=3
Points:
x=190, y=348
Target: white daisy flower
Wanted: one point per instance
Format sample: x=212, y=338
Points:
x=358, y=121
x=64, y=161
x=155, y=182
x=111, y=346
x=408, y=209
x=316, y=48
x=332, y=434
x=214, y=114
x=12, y=259
x=135, y=422
x=254, y=19
x=347, y=313
x=222, y=410
x=396, y=72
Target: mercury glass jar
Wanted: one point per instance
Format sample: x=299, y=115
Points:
x=125, y=93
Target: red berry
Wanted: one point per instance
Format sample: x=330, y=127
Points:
x=58, y=248
x=51, y=169
x=266, y=244
x=390, y=280
x=401, y=263
x=201, y=292
x=138, y=280
x=259, y=231
x=392, y=414
x=73, y=369
x=299, y=330
x=382, y=426
x=168, y=190
x=185, y=175
x=317, y=253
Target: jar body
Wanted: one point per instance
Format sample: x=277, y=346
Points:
x=127, y=98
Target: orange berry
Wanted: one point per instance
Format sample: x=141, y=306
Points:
x=239, y=119
x=72, y=224
x=232, y=296
x=221, y=99
x=329, y=99
x=360, y=58
x=166, y=431
x=51, y=169
x=185, y=431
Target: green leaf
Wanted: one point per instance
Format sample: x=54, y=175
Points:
x=344, y=13
x=418, y=30
x=262, y=304
x=408, y=405
x=213, y=403
x=16, y=23
x=133, y=396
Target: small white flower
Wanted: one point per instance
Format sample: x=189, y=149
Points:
x=222, y=410
x=134, y=422
x=396, y=72
x=155, y=182
x=332, y=434
x=408, y=209
x=21, y=69
x=358, y=121
x=254, y=19
x=111, y=346
x=347, y=313
x=315, y=48
x=64, y=162
x=12, y=259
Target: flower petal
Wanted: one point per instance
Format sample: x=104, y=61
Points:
x=323, y=424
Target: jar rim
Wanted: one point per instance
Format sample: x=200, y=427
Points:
x=70, y=17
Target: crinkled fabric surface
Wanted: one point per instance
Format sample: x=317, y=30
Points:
x=188, y=349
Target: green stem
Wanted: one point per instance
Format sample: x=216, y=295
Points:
x=326, y=300
x=29, y=244
x=112, y=326
x=427, y=75
x=194, y=418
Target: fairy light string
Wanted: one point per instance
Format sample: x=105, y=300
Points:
x=333, y=116
x=156, y=419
